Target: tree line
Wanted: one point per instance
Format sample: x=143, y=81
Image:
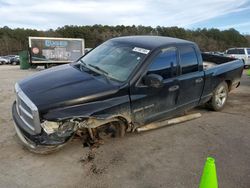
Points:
x=13, y=41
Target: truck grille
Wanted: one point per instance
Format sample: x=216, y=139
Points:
x=27, y=111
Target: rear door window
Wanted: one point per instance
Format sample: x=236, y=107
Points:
x=165, y=63
x=188, y=59
x=241, y=51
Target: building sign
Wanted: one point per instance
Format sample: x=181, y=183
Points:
x=55, y=50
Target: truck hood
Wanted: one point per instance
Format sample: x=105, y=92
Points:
x=63, y=86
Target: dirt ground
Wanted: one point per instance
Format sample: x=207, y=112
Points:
x=168, y=157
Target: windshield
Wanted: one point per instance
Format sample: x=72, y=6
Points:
x=114, y=60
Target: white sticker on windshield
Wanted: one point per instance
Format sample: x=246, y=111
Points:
x=141, y=50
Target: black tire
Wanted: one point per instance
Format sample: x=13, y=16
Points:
x=33, y=66
x=49, y=65
x=219, y=97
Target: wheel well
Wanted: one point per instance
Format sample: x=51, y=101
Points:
x=124, y=121
x=94, y=121
x=229, y=84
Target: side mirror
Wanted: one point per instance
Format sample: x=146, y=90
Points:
x=153, y=80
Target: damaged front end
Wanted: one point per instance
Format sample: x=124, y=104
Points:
x=41, y=135
x=53, y=135
x=38, y=135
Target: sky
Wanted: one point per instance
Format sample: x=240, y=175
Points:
x=46, y=14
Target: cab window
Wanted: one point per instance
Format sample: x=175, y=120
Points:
x=188, y=59
x=232, y=51
x=165, y=63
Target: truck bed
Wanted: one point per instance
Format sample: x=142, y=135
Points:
x=218, y=69
x=210, y=60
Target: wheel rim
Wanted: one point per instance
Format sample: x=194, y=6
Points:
x=221, y=96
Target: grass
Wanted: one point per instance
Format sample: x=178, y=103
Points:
x=248, y=72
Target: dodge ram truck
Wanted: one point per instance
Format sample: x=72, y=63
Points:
x=123, y=84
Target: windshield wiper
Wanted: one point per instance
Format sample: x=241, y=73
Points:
x=104, y=73
x=99, y=69
x=83, y=63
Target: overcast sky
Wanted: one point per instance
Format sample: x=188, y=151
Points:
x=45, y=14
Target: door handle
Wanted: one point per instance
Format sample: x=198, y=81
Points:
x=173, y=88
x=198, y=80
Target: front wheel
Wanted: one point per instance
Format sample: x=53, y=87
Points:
x=219, y=97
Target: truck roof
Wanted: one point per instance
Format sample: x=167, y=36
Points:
x=150, y=42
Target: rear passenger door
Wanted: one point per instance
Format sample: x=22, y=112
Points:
x=191, y=80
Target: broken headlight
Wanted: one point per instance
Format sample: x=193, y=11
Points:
x=61, y=129
x=50, y=126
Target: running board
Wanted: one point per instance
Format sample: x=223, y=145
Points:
x=160, y=124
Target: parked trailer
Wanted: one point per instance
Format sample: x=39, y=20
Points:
x=47, y=51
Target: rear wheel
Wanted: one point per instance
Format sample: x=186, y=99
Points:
x=33, y=66
x=219, y=98
x=49, y=65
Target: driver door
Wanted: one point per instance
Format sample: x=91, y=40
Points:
x=152, y=103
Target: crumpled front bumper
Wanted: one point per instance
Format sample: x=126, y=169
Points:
x=18, y=123
x=33, y=141
x=23, y=139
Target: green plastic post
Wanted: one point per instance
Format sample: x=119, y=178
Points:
x=209, y=177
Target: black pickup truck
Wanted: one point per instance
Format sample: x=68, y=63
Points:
x=123, y=84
